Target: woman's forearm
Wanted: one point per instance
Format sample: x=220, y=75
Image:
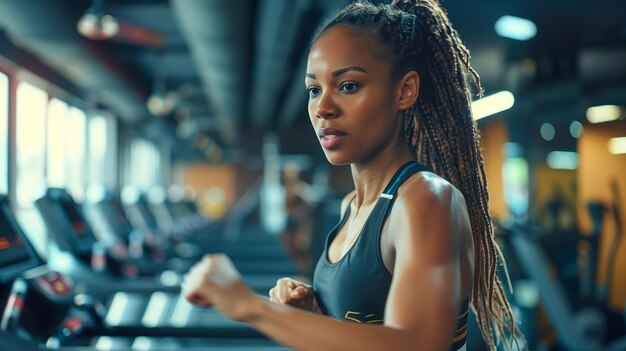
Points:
x=304, y=330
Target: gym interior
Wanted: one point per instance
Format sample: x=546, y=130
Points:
x=136, y=136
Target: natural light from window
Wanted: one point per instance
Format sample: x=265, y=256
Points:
x=30, y=143
x=4, y=135
x=57, y=138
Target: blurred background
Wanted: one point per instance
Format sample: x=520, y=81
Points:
x=203, y=103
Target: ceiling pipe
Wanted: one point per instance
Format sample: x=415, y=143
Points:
x=273, y=50
x=217, y=33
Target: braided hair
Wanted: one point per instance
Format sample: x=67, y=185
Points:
x=416, y=35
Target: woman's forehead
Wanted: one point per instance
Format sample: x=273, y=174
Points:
x=340, y=47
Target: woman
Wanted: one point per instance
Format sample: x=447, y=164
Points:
x=387, y=95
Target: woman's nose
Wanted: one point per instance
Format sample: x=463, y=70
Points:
x=325, y=108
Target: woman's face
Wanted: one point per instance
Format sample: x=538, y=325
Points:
x=352, y=101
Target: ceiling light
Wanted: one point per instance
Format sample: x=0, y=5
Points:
x=515, y=28
x=110, y=27
x=576, y=129
x=562, y=160
x=87, y=24
x=95, y=25
x=547, y=131
x=604, y=113
x=617, y=146
x=160, y=104
x=161, y=101
x=492, y=104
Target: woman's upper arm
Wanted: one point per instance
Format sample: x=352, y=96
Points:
x=426, y=287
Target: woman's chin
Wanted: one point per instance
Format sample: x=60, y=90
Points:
x=337, y=160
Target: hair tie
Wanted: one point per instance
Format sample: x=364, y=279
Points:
x=412, y=27
x=408, y=29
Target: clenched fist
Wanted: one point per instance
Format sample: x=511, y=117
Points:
x=294, y=293
x=214, y=281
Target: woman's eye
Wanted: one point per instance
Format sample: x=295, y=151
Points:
x=313, y=91
x=350, y=87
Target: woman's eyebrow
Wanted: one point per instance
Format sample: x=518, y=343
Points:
x=340, y=71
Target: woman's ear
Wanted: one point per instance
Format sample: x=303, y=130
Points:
x=409, y=87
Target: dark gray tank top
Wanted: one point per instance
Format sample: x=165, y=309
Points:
x=355, y=288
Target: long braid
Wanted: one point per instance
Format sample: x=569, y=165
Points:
x=439, y=128
x=490, y=304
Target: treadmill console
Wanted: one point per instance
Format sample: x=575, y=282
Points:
x=11, y=247
x=33, y=299
x=83, y=237
x=66, y=222
x=55, y=286
x=16, y=255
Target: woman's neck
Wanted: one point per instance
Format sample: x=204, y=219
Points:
x=372, y=176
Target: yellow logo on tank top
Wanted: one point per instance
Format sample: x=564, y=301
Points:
x=357, y=317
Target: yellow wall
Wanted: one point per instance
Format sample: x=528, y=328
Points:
x=493, y=138
x=204, y=178
x=546, y=181
x=597, y=168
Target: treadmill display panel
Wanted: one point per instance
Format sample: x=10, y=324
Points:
x=78, y=223
x=12, y=248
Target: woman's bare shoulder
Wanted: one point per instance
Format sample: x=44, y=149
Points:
x=429, y=189
x=427, y=201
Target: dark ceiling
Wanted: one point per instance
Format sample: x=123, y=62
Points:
x=236, y=66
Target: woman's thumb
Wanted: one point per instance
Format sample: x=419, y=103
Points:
x=299, y=292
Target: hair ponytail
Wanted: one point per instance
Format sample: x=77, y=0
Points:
x=444, y=135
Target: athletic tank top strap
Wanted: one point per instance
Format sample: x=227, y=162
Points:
x=403, y=173
x=385, y=202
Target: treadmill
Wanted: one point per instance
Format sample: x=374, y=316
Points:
x=73, y=234
x=253, y=255
x=132, y=306
x=41, y=310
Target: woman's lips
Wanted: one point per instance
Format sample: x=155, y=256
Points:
x=330, y=137
x=331, y=141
